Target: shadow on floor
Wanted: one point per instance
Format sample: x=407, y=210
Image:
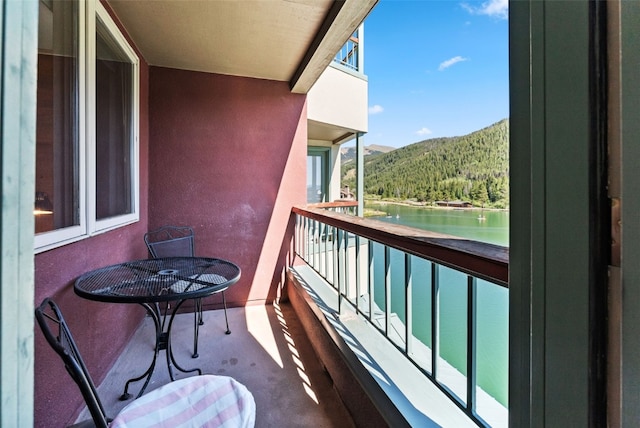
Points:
x=267, y=351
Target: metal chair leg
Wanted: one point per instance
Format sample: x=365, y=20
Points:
x=199, y=308
x=198, y=321
x=224, y=302
x=197, y=318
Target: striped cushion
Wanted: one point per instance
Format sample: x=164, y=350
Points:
x=198, y=401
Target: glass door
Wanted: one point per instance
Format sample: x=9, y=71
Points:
x=317, y=175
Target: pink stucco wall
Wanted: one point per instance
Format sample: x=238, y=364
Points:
x=228, y=157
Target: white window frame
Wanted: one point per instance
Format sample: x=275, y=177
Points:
x=88, y=226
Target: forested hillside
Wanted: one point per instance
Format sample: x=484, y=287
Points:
x=348, y=154
x=474, y=168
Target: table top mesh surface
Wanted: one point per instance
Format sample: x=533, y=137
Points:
x=157, y=280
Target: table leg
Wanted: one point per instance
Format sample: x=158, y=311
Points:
x=197, y=322
x=163, y=342
x=154, y=312
x=170, y=357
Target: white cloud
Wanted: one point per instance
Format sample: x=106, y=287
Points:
x=376, y=109
x=495, y=8
x=448, y=63
x=423, y=131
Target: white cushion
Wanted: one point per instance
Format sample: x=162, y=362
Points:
x=198, y=401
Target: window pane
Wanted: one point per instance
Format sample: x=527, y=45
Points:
x=114, y=142
x=57, y=185
x=316, y=181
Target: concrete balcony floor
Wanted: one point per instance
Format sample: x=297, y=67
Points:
x=267, y=351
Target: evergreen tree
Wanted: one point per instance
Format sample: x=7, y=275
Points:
x=473, y=167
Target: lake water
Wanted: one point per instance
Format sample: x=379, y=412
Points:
x=467, y=223
x=493, y=301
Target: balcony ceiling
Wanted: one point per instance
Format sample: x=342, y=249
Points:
x=325, y=132
x=284, y=40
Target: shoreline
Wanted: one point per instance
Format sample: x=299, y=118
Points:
x=424, y=205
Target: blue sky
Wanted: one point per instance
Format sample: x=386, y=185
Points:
x=436, y=68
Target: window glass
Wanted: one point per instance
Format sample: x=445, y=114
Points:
x=316, y=176
x=114, y=130
x=57, y=167
x=87, y=124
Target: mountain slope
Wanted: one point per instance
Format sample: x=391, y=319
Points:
x=348, y=154
x=474, y=167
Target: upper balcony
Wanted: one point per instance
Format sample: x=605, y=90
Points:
x=337, y=102
x=350, y=55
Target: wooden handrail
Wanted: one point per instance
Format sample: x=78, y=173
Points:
x=482, y=260
x=334, y=204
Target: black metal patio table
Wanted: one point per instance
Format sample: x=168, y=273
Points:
x=151, y=282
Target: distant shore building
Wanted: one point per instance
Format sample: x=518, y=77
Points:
x=346, y=193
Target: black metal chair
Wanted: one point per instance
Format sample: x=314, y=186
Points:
x=57, y=334
x=178, y=241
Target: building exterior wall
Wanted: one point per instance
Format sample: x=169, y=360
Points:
x=228, y=158
x=340, y=98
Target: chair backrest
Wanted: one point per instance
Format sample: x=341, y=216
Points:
x=170, y=241
x=57, y=333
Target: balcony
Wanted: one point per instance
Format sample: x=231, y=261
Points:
x=310, y=353
x=349, y=54
x=222, y=148
x=337, y=102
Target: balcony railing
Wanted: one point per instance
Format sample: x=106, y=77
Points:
x=397, y=278
x=341, y=206
x=348, y=56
